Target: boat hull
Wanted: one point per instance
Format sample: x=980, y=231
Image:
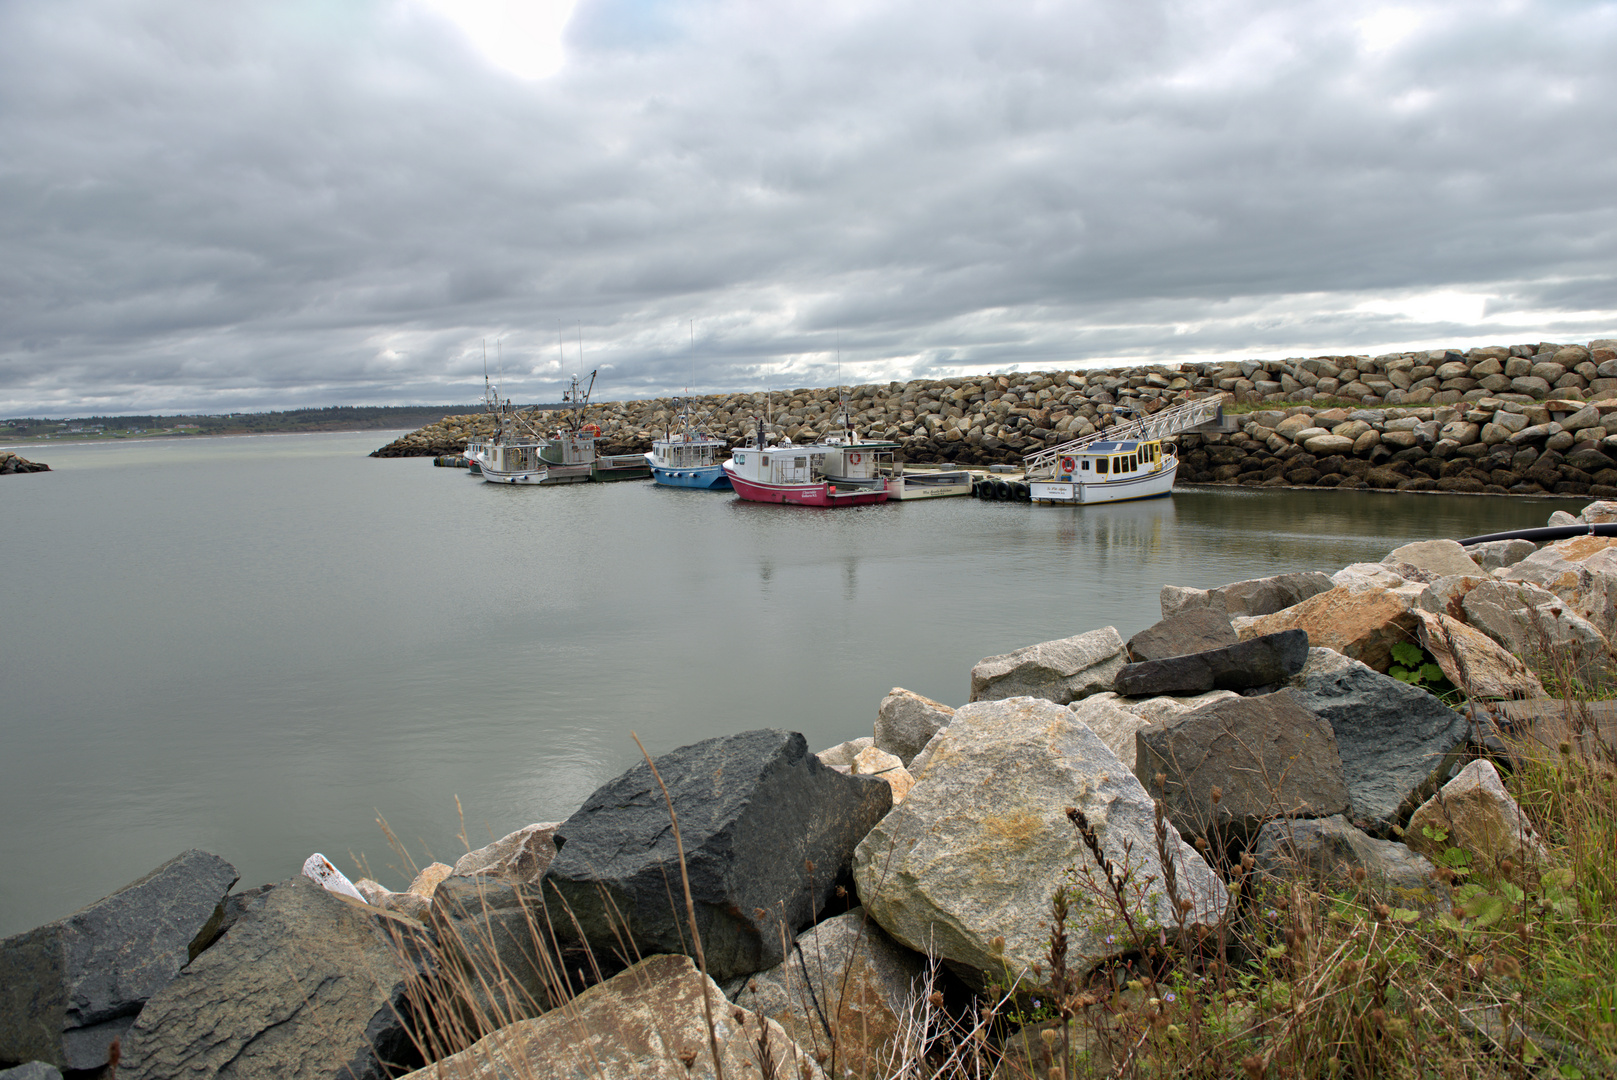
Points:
x=821, y=494
x=708, y=478
x=923, y=486
x=548, y=475
x=1153, y=485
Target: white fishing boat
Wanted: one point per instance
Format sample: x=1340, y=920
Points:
x=520, y=454
x=1103, y=472
x=908, y=482
x=1128, y=461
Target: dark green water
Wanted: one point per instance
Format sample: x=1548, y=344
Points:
x=255, y=645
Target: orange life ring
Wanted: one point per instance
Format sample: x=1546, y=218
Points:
x=1069, y=465
x=593, y=429
x=854, y=459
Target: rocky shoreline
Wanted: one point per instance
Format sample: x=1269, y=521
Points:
x=15, y=463
x=1257, y=729
x=1522, y=419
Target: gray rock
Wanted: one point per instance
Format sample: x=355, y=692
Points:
x=484, y=927
x=67, y=989
x=1259, y=596
x=1060, y=671
x=1582, y=571
x=521, y=856
x=918, y=763
x=1537, y=626
x=1195, y=631
x=907, y=721
x=767, y=830
x=1261, y=661
x=1441, y=558
x=1263, y=757
x=33, y=1070
x=1330, y=849
x=306, y=984
x=982, y=842
x=1396, y=741
x=846, y=972
x=1321, y=662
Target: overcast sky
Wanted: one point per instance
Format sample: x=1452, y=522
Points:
x=213, y=207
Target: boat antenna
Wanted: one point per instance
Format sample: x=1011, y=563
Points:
x=841, y=393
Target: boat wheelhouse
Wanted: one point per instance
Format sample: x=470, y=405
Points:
x=1102, y=472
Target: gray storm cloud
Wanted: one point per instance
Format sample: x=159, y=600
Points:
x=219, y=207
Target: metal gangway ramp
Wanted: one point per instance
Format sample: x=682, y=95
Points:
x=1159, y=425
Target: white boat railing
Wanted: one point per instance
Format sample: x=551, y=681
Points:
x=1158, y=425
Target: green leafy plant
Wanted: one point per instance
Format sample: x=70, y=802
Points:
x=1415, y=666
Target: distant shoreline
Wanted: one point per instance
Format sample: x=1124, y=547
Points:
x=156, y=436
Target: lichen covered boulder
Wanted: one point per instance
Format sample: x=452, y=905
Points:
x=965, y=868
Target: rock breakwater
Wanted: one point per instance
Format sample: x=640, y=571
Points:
x=1519, y=419
x=15, y=463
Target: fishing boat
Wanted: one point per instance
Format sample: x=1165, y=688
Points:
x=687, y=457
x=843, y=472
x=906, y=483
x=1103, y=472
x=520, y=454
x=1122, y=463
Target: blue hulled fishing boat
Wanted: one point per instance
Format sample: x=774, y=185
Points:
x=688, y=457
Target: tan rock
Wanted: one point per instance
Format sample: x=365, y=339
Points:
x=1446, y=595
x=842, y=754
x=647, y=1023
x=1479, y=816
x=873, y=762
x=1474, y=661
x=374, y=893
x=1599, y=512
x=1362, y=625
x=427, y=880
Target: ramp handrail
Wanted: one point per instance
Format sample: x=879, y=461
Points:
x=1158, y=425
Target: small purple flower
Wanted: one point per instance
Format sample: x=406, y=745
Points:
x=1168, y=996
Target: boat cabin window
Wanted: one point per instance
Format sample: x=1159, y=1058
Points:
x=1086, y=464
x=1100, y=465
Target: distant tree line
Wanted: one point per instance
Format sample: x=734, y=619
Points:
x=331, y=418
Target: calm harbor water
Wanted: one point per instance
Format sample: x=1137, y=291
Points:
x=257, y=645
